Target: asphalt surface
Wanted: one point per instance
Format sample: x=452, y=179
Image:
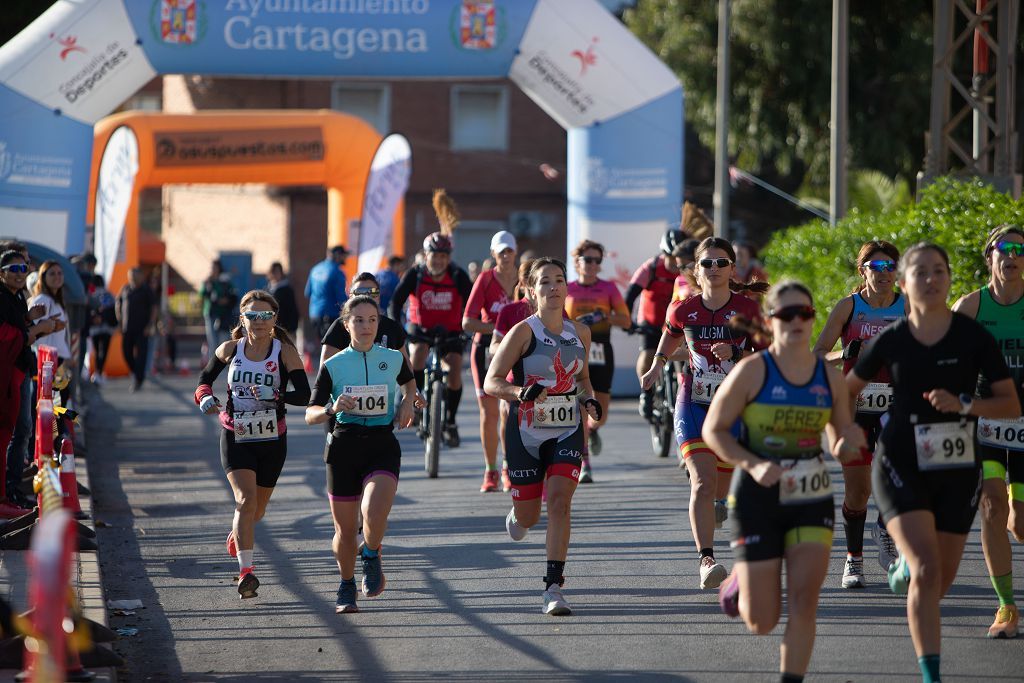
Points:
x=462, y=600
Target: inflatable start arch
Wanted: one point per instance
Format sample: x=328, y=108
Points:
x=82, y=58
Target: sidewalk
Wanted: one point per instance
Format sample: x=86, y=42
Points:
x=86, y=579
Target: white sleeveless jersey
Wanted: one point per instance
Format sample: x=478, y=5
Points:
x=245, y=375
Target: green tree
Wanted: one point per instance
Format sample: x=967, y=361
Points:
x=780, y=74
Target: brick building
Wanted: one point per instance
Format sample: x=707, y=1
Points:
x=484, y=141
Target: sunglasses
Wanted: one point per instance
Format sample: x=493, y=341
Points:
x=715, y=262
x=881, y=266
x=366, y=291
x=787, y=313
x=16, y=268
x=1010, y=248
x=592, y=259
x=259, y=315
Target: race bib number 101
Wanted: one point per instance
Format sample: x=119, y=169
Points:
x=557, y=412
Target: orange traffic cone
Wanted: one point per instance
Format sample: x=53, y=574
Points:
x=68, y=483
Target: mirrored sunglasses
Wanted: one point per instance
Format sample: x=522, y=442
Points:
x=715, y=262
x=259, y=315
x=1010, y=248
x=885, y=266
x=16, y=268
x=366, y=291
x=788, y=313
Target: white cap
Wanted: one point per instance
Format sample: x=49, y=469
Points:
x=503, y=240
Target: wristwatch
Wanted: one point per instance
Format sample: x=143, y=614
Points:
x=966, y=402
x=329, y=410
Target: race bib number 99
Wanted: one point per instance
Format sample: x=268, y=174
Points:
x=1002, y=433
x=371, y=400
x=807, y=481
x=944, y=445
x=875, y=398
x=557, y=412
x=703, y=388
x=259, y=425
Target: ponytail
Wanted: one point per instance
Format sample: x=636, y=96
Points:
x=756, y=286
x=759, y=332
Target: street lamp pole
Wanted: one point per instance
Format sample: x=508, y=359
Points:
x=839, y=123
x=721, y=196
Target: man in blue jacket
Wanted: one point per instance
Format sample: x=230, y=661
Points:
x=325, y=290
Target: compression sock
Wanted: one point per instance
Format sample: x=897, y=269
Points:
x=929, y=669
x=853, y=523
x=245, y=558
x=420, y=378
x=452, y=399
x=1004, y=588
x=707, y=552
x=554, y=577
x=790, y=678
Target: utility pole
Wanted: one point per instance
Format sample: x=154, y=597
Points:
x=721, y=196
x=840, y=105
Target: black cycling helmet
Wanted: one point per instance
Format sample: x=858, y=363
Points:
x=672, y=239
x=438, y=241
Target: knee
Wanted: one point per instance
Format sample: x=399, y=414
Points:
x=762, y=624
x=927, y=576
x=702, y=487
x=246, y=505
x=527, y=518
x=488, y=412
x=994, y=510
x=559, y=504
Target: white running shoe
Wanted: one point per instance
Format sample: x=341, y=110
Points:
x=554, y=602
x=712, y=574
x=853, y=572
x=515, y=532
x=887, y=553
x=721, y=513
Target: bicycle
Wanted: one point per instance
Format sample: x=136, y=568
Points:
x=663, y=406
x=435, y=379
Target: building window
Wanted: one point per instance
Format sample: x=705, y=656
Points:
x=371, y=103
x=479, y=117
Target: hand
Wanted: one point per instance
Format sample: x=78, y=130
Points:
x=535, y=392
x=419, y=401
x=765, y=472
x=36, y=312
x=593, y=408
x=264, y=393
x=210, y=405
x=587, y=319
x=405, y=414
x=851, y=444
x=942, y=401
x=343, y=403
x=651, y=376
x=722, y=351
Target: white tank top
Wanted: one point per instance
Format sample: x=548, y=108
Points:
x=247, y=374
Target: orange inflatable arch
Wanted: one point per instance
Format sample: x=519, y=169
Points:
x=283, y=148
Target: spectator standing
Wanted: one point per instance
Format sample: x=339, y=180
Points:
x=281, y=288
x=85, y=264
x=103, y=322
x=325, y=290
x=388, y=279
x=49, y=293
x=136, y=311
x=219, y=300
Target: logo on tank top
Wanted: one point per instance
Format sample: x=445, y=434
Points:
x=237, y=361
x=271, y=366
x=820, y=394
x=547, y=341
x=382, y=366
x=437, y=301
x=250, y=377
x=692, y=316
x=779, y=394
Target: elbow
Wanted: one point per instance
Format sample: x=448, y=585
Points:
x=467, y=325
x=310, y=417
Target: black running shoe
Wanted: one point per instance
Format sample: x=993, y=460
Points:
x=373, y=574
x=247, y=584
x=451, y=436
x=346, y=602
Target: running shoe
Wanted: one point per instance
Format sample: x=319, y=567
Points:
x=492, y=479
x=853, y=572
x=506, y=482
x=450, y=433
x=887, y=553
x=899, y=576
x=9, y=510
x=586, y=475
x=554, y=602
x=1005, y=625
x=594, y=442
x=373, y=574
x=712, y=574
x=729, y=596
x=515, y=532
x=247, y=584
x=721, y=513
x=232, y=548
x=346, y=602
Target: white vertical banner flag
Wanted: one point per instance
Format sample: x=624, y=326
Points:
x=389, y=179
x=114, y=189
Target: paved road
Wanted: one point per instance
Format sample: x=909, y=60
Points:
x=463, y=601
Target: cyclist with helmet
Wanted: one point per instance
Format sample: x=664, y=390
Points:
x=653, y=283
x=437, y=292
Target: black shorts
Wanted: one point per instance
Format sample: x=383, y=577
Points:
x=418, y=335
x=951, y=495
x=478, y=363
x=531, y=458
x=353, y=456
x=763, y=529
x=650, y=337
x=265, y=458
x=601, y=375
x=1005, y=465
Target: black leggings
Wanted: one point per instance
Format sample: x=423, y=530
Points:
x=101, y=344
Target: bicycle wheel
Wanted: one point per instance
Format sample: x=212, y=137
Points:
x=434, y=415
x=663, y=425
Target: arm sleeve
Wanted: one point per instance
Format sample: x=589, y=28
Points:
x=299, y=395
x=475, y=300
x=400, y=336
x=405, y=374
x=402, y=292
x=322, y=387
x=211, y=372
x=631, y=296
x=872, y=356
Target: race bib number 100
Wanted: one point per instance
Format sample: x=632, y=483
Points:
x=259, y=425
x=371, y=400
x=557, y=412
x=944, y=445
x=805, y=482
